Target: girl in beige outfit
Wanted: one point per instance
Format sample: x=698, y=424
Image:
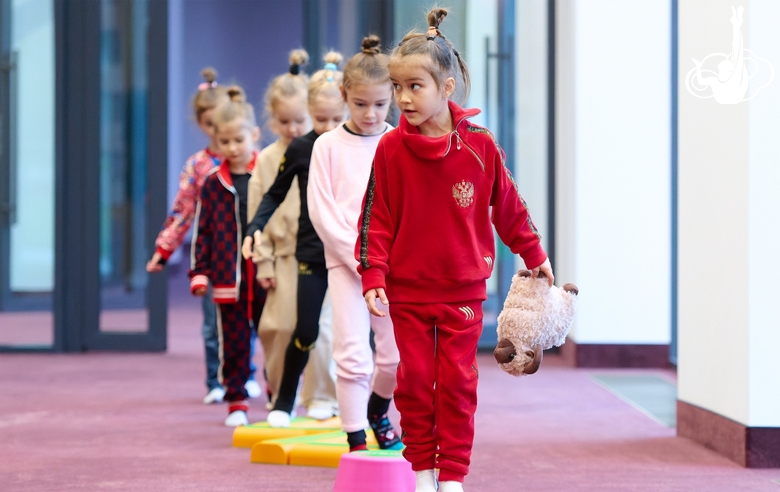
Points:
x=274, y=256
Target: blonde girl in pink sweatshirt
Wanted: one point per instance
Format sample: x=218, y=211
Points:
x=274, y=256
x=338, y=176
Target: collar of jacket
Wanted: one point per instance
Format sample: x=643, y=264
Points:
x=224, y=172
x=433, y=148
x=212, y=154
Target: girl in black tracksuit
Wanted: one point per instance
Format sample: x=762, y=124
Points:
x=328, y=110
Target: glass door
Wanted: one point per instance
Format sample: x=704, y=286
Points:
x=123, y=162
x=131, y=177
x=27, y=173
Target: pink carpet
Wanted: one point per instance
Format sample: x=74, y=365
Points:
x=135, y=422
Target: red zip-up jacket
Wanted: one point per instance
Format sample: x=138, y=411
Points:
x=425, y=231
x=215, y=256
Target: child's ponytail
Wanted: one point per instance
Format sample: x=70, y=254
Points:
x=294, y=83
x=236, y=94
x=369, y=66
x=327, y=82
x=209, y=95
x=443, y=60
x=236, y=108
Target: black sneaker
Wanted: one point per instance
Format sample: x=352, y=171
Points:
x=385, y=435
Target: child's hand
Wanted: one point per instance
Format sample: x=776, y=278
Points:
x=545, y=268
x=154, y=264
x=200, y=292
x=371, y=297
x=247, y=247
x=267, y=283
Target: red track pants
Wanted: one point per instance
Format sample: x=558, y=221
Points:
x=436, y=392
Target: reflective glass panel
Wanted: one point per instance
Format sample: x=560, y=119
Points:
x=27, y=165
x=123, y=160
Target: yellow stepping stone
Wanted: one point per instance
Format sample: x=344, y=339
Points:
x=323, y=450
x=249, y=435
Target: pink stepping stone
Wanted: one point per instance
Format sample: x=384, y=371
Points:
x=374, y=470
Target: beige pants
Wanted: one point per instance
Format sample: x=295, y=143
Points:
x=277, y=324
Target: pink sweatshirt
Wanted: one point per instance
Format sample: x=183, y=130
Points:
x=338, y=177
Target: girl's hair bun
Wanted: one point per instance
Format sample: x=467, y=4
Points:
x=297, y=59
x=333, y=57
x=436, y=16
x=236, y=94
x=372, y=45
x=209, y=74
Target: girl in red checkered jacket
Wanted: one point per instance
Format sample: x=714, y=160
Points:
x=426, y=247
x=198, y=165
x=216, y=257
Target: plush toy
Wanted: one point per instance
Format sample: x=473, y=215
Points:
x=535, y=317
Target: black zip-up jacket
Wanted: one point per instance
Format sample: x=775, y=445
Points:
x=309, y=248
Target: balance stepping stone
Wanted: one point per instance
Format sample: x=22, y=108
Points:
x=323, y=450
x=249, y=435
x=374, y=470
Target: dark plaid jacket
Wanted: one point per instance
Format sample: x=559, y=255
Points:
x=216, y=244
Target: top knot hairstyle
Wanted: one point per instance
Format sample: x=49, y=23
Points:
x=236, y=108
x=209, y=95
x=369, y=66
x=442, y=59
x=291, y=84
x=327, y=82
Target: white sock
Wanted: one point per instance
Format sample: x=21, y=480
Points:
x=279, y=419
x=236, y=419
x=450, y=486
x=426, y=481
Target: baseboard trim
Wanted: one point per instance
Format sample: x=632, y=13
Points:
x=751, y=447
x=597, y=355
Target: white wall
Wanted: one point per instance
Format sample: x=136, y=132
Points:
x=32, y=237
x=764, y=206
x=729, y=232
x=613, y=173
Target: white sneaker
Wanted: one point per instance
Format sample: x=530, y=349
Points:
x=214, y=396
x=237, y=419
x=320, y=410
x=279, y=419
x=426, y=481
x=253, y=389
x=450, y=486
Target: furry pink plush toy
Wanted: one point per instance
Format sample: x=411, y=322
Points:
x=535, y=317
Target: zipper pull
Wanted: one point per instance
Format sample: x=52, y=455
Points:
x=457, y=144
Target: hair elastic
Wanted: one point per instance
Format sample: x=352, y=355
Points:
x=332, y=67
x=207, y=85
x=433, y=31
x=295, y=69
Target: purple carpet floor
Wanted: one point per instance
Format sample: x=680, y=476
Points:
x=114, y=421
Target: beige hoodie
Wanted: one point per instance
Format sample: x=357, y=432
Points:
x=279, y=235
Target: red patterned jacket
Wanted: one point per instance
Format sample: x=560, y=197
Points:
x=216, y=244
x=179, y=220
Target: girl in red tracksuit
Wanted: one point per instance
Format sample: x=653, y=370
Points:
x=426, y=248
x=216, y=249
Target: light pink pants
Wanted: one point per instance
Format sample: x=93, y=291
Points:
x=358, y=371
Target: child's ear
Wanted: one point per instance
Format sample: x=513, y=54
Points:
x=449, y=87
x=256, y=134
x=343, y=93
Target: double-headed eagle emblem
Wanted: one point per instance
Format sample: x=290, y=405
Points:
x=463, y=193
